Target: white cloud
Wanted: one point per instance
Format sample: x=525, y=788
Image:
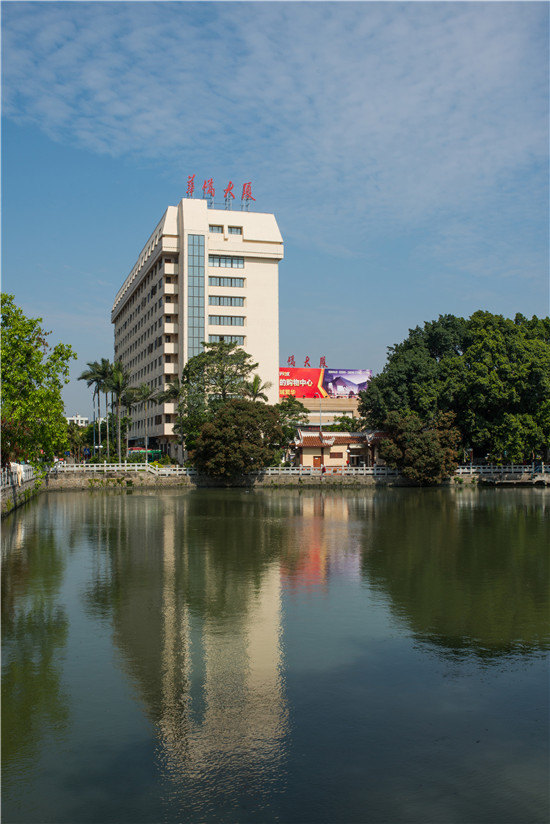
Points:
x=382, y=115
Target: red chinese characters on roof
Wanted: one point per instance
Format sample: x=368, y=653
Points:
x=208, y=188
x=247, y=192
x=229, y=191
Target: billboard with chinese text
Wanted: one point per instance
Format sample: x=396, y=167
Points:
x=322, y=383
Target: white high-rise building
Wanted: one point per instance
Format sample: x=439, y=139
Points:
x=204, y=275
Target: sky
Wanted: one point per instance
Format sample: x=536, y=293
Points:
x=403, y=148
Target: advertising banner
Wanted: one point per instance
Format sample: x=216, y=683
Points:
x=322, y=383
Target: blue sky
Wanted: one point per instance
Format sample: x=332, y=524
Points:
x=403, y=148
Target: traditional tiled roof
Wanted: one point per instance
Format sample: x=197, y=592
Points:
x=318, y=439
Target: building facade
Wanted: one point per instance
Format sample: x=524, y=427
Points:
x=79, y=420
x=204, y=275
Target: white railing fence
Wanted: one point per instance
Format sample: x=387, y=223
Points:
x=23, y=474
x=17, y=476
x=299, y=471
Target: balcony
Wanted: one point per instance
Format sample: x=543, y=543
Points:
x=170, y=328
x=170, y=369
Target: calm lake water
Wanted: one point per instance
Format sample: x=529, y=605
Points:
x=230, y=656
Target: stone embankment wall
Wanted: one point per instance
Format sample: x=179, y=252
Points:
x=141, y=480
x=14, y=495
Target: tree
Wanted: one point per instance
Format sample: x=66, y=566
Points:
x=292, y=414
x=208, y=381
x=144, y=394
x=93, y=377
x=241, y=437
x=223, y=368
x=33, y=374
x=118, y=384
x=491, y=372
x=128, y=401
x=104, y=370
x=424, y=453
x=255, y=389
x=75, y=437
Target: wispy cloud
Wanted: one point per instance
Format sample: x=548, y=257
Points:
x=402, y=109
x=361, y=120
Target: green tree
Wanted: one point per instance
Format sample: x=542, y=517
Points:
x=292, y=414
x=176, y=392
x=118, y=384
x=93, y=377
x=75, y=437
x=255, y=389
x=424, y=453
x=241, y=437
x=33, y=374
x=224, y=369
x=128, y=401
x=104, y=372
x=491, y=372
x=144, y=394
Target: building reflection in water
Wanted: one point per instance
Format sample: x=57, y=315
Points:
x=196, y=608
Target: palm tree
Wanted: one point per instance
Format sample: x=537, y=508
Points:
x=174, y=393
x=118, y=384
x=255, y=389
x=128, y=400
x=144, y=394
x=93, y=377
x=105, y=370
x=75, y=435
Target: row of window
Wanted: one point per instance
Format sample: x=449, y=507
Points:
x=219, y=300
x=237, y=283
x=226, y=261
x=238, y=339
x=231, y=230
x=225, y=320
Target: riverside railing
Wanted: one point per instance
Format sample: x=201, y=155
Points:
x=17, y=476
x=299, y=471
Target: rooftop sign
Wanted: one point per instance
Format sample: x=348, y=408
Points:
x=208, y=192
x=304, y=382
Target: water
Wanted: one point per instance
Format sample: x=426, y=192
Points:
x=231, y=656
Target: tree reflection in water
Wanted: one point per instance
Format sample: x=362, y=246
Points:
x=468, y=572
x=34, y=632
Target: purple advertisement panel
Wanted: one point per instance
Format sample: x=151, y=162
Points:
x=345, y=383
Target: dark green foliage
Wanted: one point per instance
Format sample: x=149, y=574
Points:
x=241, y=436
x=492, y=372
x=33, y=374
x=424, y=453
x=292, y=414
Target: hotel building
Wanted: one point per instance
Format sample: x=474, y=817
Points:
x=205, y=274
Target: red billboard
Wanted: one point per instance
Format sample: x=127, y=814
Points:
x=322, y=383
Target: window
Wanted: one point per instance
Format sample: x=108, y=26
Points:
x=225, y=320
x=235, y=230
x=237, y=283
x=218, y=300
x=226, y=262
x=195, y=294
x=238, y=339
x=216, y=230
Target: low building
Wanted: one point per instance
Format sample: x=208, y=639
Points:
x=79, y=420
x=327, y=410
x=334, y=449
